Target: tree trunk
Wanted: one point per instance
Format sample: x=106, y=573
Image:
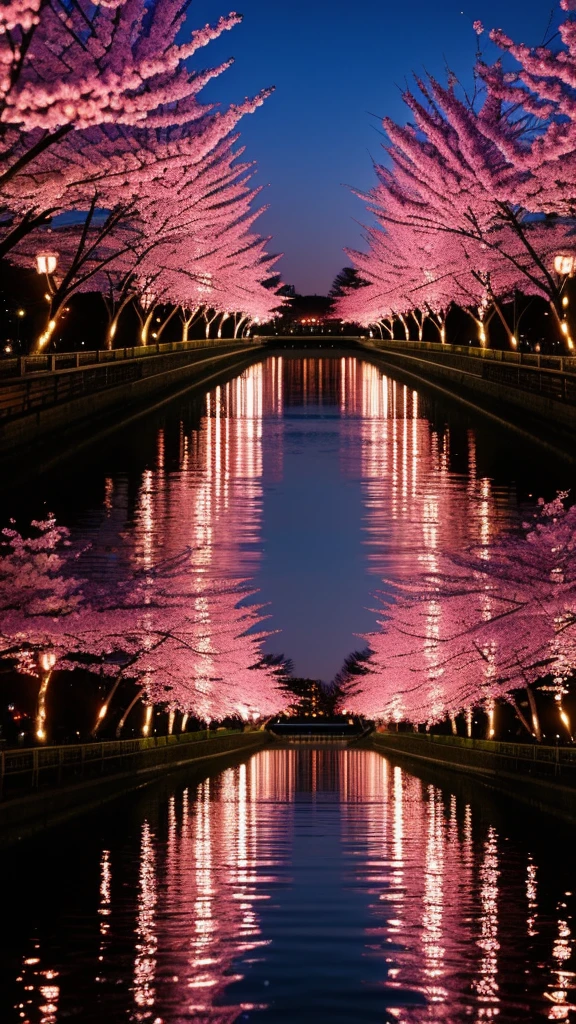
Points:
x=238, y=325
x=564, y=327
x=454, y=725
x=405, y=326
x=146, y=327
x=165, y=324
x=43, y=340
x=41, y=713
x=104, y=709
x=521, y=716
x=511, y=338
x=122, y=721
x=537, y=730
x=187, y=323
x=113, y=324
x=223, y=320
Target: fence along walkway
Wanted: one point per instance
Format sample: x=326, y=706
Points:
x=23, y=771
x=33, y=383
x=549, y=376
x=556, y=764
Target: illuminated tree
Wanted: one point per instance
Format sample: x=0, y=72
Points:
x=466, y=199
x=479, y=626
x=192, y=648
x=68, y=70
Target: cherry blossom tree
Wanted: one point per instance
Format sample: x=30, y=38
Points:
x=66, y=71
x=185, y=238
x=479, y=626
x=192, y=648
x=100, y=116
x=463, y=182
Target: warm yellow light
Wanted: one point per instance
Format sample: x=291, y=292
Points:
x=46, y=262
x=514, y=340
x=565, y=719
x=21, y=312
x=184, y=723
x=491, y=729
x=102, y=712
x=147, y=720
x=154, y=335
x=47, y=334
x=564, y=265
x=564, y=327
x=565, y=301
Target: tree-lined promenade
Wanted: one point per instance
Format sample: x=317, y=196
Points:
x=116, y=178
x=475, y=204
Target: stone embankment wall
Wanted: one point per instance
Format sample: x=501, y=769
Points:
x=69, y=396
x=544, y=777
x=44, y=786
x=539, y=389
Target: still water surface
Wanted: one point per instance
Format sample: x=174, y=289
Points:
x=299, y=886
x=314, y=478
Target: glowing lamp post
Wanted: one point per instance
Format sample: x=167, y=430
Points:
x=46, y=263
x=565, y=265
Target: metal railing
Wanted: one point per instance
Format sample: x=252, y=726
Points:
x=32, y=391
x=552, y=377
x=49, y=362
x=500, y=755
x=537, y=360
x=29, y=769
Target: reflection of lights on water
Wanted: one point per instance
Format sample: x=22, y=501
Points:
x=532, y=897
x=41, y=995
x=433, y=900
x=560, y=991
x=146, y=937
x=486, y=985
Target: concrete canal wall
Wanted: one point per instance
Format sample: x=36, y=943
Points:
x=539, y=390
x=45, y=786
x=544, y=777
x=69, y=396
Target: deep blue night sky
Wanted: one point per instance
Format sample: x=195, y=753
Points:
x=336, y=64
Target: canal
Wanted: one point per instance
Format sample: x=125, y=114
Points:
x=302, y=884
x=312, y=478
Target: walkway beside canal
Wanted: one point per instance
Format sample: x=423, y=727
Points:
x=542, y=776
x=539, y=389
x=42, y=397
x=43, y=786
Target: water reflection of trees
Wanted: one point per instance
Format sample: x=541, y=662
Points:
x=469, y=915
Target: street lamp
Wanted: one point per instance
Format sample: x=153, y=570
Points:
x=564, y=265
x=46, y=262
